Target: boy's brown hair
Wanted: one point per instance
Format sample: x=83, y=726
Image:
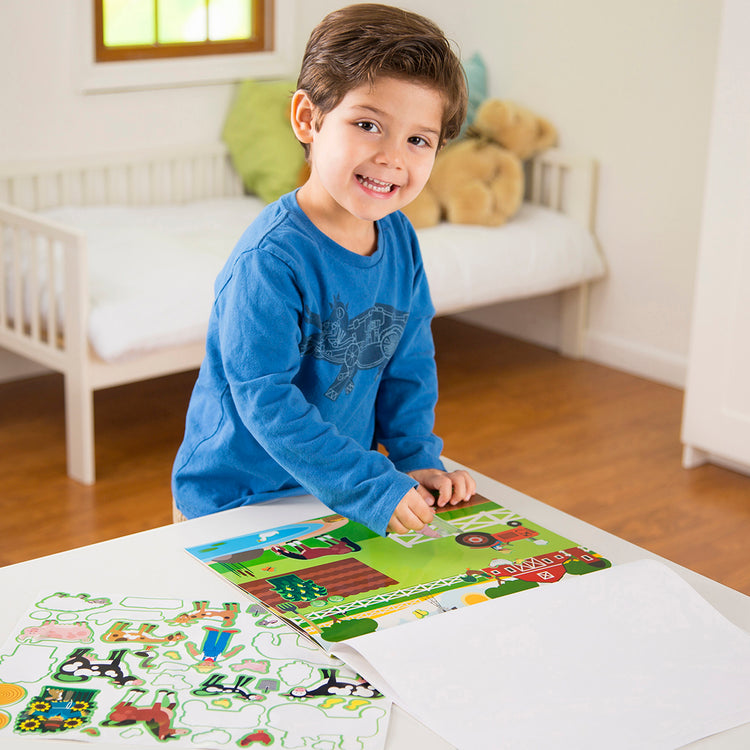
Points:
x=356, y=44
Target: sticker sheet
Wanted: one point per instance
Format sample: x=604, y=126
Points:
x=145, y=671
x=334, y=579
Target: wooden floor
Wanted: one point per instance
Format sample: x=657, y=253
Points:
x=594, y=442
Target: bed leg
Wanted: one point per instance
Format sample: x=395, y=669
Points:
x=573, y=316
x=79, y=430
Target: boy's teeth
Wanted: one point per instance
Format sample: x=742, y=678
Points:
x=377, y=185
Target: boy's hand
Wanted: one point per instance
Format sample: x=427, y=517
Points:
x=452, y=487
x=411, y=514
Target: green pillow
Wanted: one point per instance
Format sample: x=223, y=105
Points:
x=476, y=81
x=260, y=139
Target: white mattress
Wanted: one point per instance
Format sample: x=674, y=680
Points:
x=537, y=252
x=152, y=268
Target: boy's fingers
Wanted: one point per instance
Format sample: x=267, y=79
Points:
x=458, y=490
x=463, y=487
x=417, y=507
x=426, y=494
x=472, y=486
x=417, y=511
x=412, y=513
x=424, y=514
x=444, y=487
x=396, y=527
x=410, y=521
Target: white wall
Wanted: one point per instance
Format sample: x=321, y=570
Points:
x=631, y=84
x=628, y=82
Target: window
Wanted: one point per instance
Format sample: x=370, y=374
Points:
x=276, y=58
x=155, y=29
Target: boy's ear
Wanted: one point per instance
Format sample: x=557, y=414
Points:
x=302, y=116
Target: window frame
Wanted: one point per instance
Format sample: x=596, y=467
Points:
x=91, y=77
x=262, y=42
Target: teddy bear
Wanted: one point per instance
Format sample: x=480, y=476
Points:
x=474, y=181
x=514, y=127
x=480, y=178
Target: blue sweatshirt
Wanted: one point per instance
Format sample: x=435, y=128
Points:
x=314, y=356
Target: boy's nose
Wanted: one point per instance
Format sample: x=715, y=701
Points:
x=390, y=155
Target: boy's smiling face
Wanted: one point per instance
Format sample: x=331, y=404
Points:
x=371, y=155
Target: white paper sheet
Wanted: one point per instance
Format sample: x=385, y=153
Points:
x=629, y=657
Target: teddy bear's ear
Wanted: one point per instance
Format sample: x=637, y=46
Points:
x=492, y=117
x=546, y=134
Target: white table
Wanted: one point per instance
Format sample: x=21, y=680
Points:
x=154, y=563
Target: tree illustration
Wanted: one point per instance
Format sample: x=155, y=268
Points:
x=504, y=588
x=294, y=589
x=581, y=567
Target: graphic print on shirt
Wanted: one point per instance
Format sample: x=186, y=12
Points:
x=360, y=343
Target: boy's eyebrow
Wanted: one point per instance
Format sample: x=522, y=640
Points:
x=377, y=111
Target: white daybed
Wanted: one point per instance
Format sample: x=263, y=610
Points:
x=131, y=247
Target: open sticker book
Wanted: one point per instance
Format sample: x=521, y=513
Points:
x=145, y=671
x=334, y=579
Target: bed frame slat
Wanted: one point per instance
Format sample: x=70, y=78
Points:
x=34, y=286
x=51, y=321
x=17, y=286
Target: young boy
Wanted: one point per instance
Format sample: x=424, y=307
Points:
x=319, y=347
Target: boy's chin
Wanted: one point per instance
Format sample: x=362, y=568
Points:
x=379, y=209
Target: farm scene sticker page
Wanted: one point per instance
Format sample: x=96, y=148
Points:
x=334, y=579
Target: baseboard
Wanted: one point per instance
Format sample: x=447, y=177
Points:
x=534, y=320
x=537, y=320
x=13, y=367
x=636, y=358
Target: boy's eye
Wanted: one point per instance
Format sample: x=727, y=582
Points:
x=417, y=140
x=367, y=126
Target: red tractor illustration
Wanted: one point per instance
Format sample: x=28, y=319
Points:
x=497, y=541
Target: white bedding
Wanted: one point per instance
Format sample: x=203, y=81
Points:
x=152, y=268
